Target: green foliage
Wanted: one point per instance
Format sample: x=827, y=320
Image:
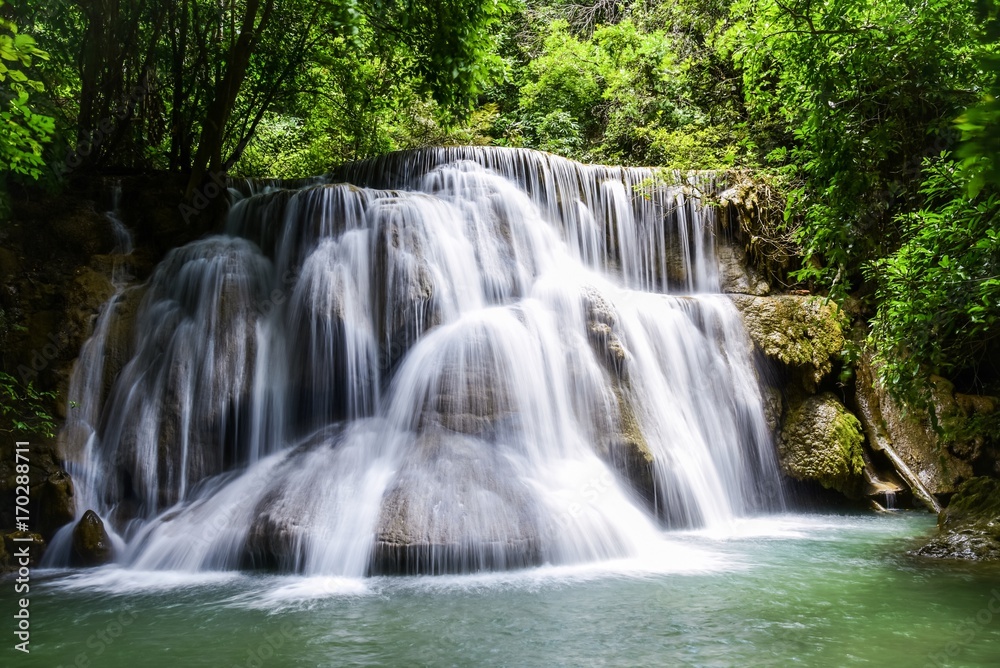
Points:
x=147, y=84
x=980, y=125
x=863, y=91
x=23, y=130
x=939, y=293
x=635, y=91
x=24, y=408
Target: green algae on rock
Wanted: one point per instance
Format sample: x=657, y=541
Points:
x=821, y=441
x=800, y=331
x=970, y=525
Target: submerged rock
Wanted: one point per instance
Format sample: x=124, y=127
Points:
x=800, y=331
x=91, y=543
x=821, y=441
x=970, y=525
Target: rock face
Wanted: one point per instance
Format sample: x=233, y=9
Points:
x=821, y=441
x=736, y=275
x=623, y=445
x=91, y=543
x=970, y=525
x=51, y=501
x=406, y=299
x=801, y=332
x=602, y=330
x=908, y=434
x=14, y=541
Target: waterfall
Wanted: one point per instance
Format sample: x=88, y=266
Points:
x=443, y=360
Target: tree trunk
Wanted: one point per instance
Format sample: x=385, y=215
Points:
x=208, y=158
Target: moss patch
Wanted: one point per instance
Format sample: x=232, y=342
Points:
x=801, y=332
x=970, y=525
x=821, y=441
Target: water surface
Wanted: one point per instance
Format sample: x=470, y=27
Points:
x=806, y=590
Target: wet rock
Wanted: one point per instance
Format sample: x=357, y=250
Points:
x=455, y=508
x=628, y=452
x=602, y=330
x=736, y=275
x=91, y=543
x=120, y=345
x=907, y=435
x=821, y=441
x=275, y=541
x=801, y=332
x=56, y=502
x=404, y=294
x=773, y=404
x=471, y=395
x=16, y=541
x=969, y=528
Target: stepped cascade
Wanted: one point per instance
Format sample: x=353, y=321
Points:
x=443, y=360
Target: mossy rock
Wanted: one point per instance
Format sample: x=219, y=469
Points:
x=970, y=525
x=975, y=500
x=821, y=441
x=799, y=331
x=628, y=450
x=91, y=543
x=11, y=543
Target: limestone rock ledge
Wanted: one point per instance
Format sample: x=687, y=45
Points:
x=802, y=332
x=931, y=466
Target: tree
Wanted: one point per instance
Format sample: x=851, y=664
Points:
x=865, y=91
x=186, y=85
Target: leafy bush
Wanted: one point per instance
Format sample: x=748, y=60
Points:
x=23, y=407
x=939, y=294
x=23, y=130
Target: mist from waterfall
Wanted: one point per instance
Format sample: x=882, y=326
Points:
x=445, y=360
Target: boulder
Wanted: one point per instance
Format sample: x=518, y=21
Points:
x=969, y=528
x=821, y=441
x=456, y=507
x=801, y=332
x=91, y=543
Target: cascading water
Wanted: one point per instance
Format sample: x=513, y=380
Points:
x=467, y=359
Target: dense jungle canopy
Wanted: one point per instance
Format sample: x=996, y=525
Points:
x=865, y=135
